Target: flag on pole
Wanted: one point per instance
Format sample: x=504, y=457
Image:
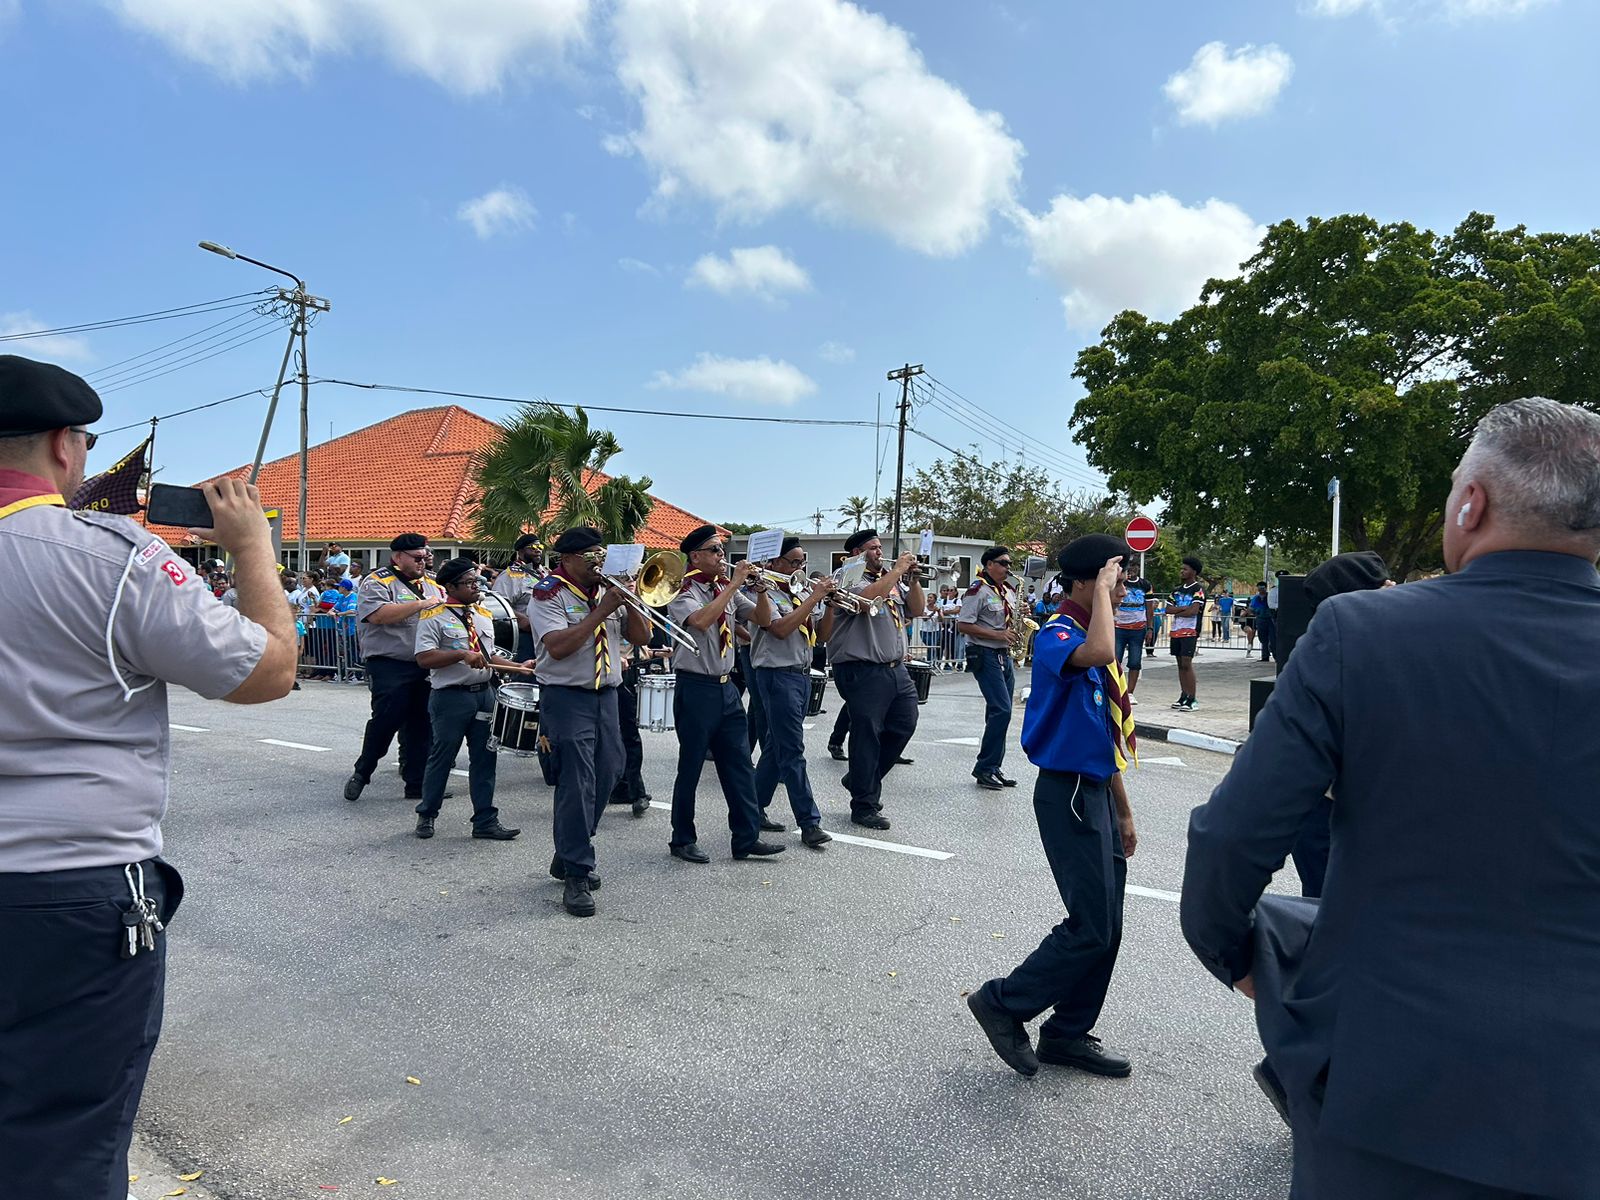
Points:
x=116, y=490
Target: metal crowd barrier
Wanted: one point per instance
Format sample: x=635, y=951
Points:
x=331, y=653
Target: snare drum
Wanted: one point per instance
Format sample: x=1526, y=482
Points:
x=505, y=620
x=655, y=702
x=514, y=727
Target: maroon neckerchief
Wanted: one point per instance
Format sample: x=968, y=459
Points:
x=713, y=584
x=588, y=593
x=22, y=485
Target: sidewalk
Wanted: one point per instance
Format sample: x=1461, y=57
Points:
x=150, y=1175
x=1222, y=719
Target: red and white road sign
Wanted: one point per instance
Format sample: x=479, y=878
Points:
x=1142, y=534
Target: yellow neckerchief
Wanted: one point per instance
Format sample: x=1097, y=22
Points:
x=602, y=644
x=891, y=601
x=714, y=585
x=1124, y=737
x=33, y=502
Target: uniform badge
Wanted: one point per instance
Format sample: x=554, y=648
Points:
x=174, y=572
x=150, y=551
x=1099, y=697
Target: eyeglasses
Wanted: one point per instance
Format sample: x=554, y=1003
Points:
x=470, y=581
x=717, y=550
x=1001, y=562
x=796, y=562
x=89, y=439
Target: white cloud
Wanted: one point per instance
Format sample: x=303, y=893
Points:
x=752, y=380
x=466, y=45
x=57, y=346
x=1461, y=10
x=638, y=266
x=504, y=210
x=1340, y=8
x=836, y=352
x=1219, y=86
x=811, y=104
x=764, y=271
x=1150, y=253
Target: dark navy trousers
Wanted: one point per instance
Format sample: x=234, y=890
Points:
x=997, y=681
x=630, y=784
x=1071, y=969
x=586, y=749
x=460, y=716
x=78, y=1024
x=784, y=696
x=399, y=706
x=709, y=717
x=883, y=716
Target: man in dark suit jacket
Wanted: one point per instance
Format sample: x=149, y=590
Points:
x=1434, y=1021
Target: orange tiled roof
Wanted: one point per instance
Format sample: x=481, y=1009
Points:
x=409, y=474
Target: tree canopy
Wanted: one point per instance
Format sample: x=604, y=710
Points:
x=1346, y=348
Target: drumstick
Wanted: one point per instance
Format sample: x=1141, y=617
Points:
x=516, y=668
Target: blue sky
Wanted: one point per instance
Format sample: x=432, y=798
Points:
x=730, y=206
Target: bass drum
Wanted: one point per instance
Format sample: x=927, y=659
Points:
x=505, y=620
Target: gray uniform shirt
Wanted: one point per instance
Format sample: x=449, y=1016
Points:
x=514, y=585
x=445, y=628
x=102, y=617
x=984, y=606
x=554, y=605
x=385, y=587
x=792, y=651
x=879, y=639
x=708, y=657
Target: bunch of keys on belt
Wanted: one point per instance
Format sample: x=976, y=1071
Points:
x=141, y=922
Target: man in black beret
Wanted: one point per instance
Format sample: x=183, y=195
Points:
x=387, y=607
x=516, y=581
x=988, y=621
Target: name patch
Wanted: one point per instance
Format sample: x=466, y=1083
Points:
x=149, y=552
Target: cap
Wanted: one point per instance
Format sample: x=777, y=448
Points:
x=408, y=541
x=698, y=539
x=36, y=397
x=347, y=584
x=526, y=540
x=858, y=539
x=1360, y=571
x=1083, y=557
x=454, y=568
x=576, y=541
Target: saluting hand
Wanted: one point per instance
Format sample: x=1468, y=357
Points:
x=1110, y=575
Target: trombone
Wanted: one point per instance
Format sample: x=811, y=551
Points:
x=660, y=580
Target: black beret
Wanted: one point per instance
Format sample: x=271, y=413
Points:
x=576, y=541
x=698, y=538
x=408, y=541
x=1083, y=557
x=858, y=539
x=992, y=553
x=526, y=540
x=1358, y=572
x=36, y=397
x=454, y=568
x=789, y=543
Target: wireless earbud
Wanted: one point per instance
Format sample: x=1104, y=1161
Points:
x=1461, y=516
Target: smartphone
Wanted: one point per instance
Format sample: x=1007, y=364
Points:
x=181, y=506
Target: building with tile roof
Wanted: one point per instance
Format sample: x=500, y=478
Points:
x=409, y=474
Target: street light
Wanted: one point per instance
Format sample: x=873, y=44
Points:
x=297, y=329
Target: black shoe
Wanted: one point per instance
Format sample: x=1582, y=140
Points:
x=902, y=761
x=1005, y=779
x=760, y=850
x=575, y=897
x=690, y=853
x=1272, y=1087
x=815, y=836
x=838, y=752
x=870, y=820
x=641, y=806
x=768, y=825
x=990, y=782
x=353, y=786
x=1006, y=1034
x=557, y=871
x=1085, y=1053
x=495, y=833
x=424, y=827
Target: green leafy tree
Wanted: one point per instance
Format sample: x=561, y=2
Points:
x=853, y=512
x=533, y=476
x=1346, y=348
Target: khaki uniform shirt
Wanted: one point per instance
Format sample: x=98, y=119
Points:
x=710, y=656
x=555, y=604
x=792, y=651
x=101, y=617
x=381, y=587
x=445, y=628
x=985, y=605
x=514, y=585
x=879, y=639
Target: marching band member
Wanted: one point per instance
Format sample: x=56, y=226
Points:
x=578, y=629
x=454, y=643
x=780, y=656
x=986, y=622
x=705, y=704
x=515, y=582
x=868, y=654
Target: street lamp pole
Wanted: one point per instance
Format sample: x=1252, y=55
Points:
x=301, y=302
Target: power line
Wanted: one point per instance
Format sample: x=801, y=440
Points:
x=1023, y=444
x=110, y=370
x=1074, y=476
x=243, y=340
x=165, y=314
x=951, y=399
x=183, y=412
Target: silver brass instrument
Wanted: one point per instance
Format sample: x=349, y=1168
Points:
x=799, y=583
x=660, y=579
x=850, y=573
x=945, y=574
x=1023, y=627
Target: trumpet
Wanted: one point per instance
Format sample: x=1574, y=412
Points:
x=798, y=583
x=854, y=604
x=660, y=579
x=945, y=574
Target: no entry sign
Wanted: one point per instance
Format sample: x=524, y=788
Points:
x=1142, y=534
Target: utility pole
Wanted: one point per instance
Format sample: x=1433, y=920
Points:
x=905, y=374
x=1336, y=494
x=816, y=519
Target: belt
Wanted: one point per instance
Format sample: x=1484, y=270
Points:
x=464, y=687
x=790, y=670
x=703, y=677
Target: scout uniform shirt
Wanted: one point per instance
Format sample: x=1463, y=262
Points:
x=714, y=647
x=879, y=639
x=1187, y=627
x=514, y=585
x=446, y=628
x=556, y=603
x=385, y=586
x=102, y=617
x=792, y=651
x=1066, y=725
x=989, y=607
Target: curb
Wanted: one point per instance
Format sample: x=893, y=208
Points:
x=1186, y=737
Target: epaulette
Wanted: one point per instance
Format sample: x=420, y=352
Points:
x=383, y=575
x=547, y=587
x=482, y=611
x=973, y=590
x=432, y=612
x=516, y=569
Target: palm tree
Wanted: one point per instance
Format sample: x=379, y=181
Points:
x=854, y=510
x=533, y=475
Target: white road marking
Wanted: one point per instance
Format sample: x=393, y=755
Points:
x=898, y=848
x=1153, y=893
x=292, y=745
x=1145, y=760
x=187, y=728
x=961, y=741
x=810, y=727
x=1202, y=741
x=457, y=771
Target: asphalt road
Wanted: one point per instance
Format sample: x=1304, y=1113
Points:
x=782, y=1028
